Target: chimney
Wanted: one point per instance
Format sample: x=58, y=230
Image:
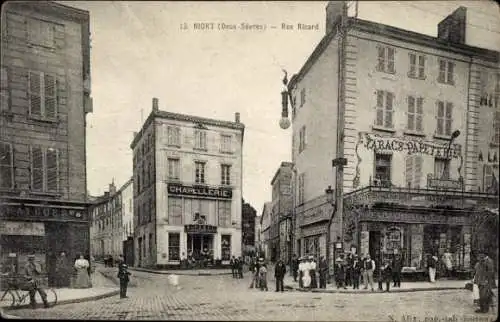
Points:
x=452, y=28
x=237, y=117
x=106, y=194
x=112, y=188
x=334, y=12
x=155, y=104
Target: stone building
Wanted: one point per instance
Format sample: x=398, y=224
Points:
x=265, y=224
x=187, y=174
x=249, y=215
x=45, y=96
x=409, y=113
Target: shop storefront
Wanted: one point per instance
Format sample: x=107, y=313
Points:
x=30, y=226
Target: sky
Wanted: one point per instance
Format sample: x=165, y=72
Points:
x=139, y=51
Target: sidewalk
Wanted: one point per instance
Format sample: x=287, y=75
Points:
x=101, y=288
x=195, y=272
x=440, y=285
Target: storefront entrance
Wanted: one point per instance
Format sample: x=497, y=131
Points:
x=200, y=245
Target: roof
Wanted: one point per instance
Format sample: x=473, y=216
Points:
x=396, y=34
x=284, y=164
x=187, y=118
x=125, y=185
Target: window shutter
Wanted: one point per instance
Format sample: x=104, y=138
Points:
x=421, y=66
x=52, y=170
x=6, y=167
x=50, y=96
x=442, y=71
x=381, y=58
x=34, y=87
x=37, y=168
x=451, y=67
x=390, y=60
x=413, y=63
x=418, y=170
x=409, y=171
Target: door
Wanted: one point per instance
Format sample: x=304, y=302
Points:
x=374, y=246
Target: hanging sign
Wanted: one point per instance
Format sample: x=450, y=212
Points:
x=375, y=142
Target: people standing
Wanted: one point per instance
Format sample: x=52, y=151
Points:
x=123, y=275
x=263, y=276
x=32, y=274
x=348, y=269
x=339, y=273
x=386, y=274
x=447, y=263
x=232, y=262
x=314, y=278
x=323, y=272
x=306, y=275
x=279, y=275
x=239, y=267
x=255, y=274
x=397, y=266
x=301, y=269
x=431, y=265
x=294, y=267
x=484, y=277
x=63, y=271
x=356, y=272
x=368, y=268
x=82, y=276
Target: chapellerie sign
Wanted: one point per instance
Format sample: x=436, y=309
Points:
x=374, y=142
x=222, y=193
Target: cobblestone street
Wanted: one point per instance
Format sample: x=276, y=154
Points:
x=225, y=298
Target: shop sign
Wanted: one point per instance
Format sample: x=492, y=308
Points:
x=389, y=216
x=22, y=228
x=200, y=229
x=376, y=143
x=222, y=193
x=444, y=183
x=42, y=213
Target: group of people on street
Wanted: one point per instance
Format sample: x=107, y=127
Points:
x=236, y=266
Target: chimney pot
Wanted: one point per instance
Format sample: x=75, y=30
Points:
x=155, y=104
x=237, y=117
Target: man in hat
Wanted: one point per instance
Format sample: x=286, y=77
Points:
x=279, y=275
x=301, y=271
x=312, y=272
x=356, y=272
x=123, y=275
x=255, y=274
x=368, y=268
x=484, y=277
x=340, y=273
x=294, y=267
x=323, y=272
x=32, y=274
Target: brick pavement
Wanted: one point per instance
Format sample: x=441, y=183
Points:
x=225, y=298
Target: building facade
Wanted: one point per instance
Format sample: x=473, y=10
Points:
x=127, y=192
x=281, y=215
x=187, y=188
x=265, y=224
x=409, y=121
x=45, y=96
x=249, y=215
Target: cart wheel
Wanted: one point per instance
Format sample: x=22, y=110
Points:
x=8, y=299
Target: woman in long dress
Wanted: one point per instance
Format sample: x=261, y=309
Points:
x=306, y=278
x=82, y=276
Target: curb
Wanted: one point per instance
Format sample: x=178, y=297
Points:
x=408, y=290
x=179, y=273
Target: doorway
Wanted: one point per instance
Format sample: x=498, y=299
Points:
x=374, y=246
x=197, y=243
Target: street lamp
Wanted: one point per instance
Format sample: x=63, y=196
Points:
x=454, y=135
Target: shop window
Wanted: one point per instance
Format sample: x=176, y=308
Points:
x=226, y=247
x=311, y=246
x=175, y=211
x=383, y=169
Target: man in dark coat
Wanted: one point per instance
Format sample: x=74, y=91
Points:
x=294, y=266
x=340, y=273
x=323, y=272
x=484, y=277
x=385, y=275
x=397, y=266
x=232, y=262
x=63, y=271
x=239, y=267
x=123, y=275
x=355, y=272
x=33, y=275
x=279, y=275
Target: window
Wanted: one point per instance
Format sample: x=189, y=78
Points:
x=302, y=139
x=173, y=169
x=417, y=66
x=44, y=169
x=446, y=72
x=413, y=171
x=490, y=181
x=224, y=213
x=6, y=166
x=415, y=114
x=302, y=97
x=444, y=118
x=225, y=244
x=41, y=33
x=174, y=246
x=225, y=174
x=225, y=145
x=42, y=95
x=383, y=169
x=385, y=101
x=199, y=172
x=386, y=60
x=200, y=139
x=301, y=188
x=173, y=136
x=441, y=168
x=4, y=90
x=174, y=211
x=496, y=129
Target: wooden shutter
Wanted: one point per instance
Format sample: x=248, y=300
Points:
x=409, y=171
x=50, y=97
x=448, y=118
x=411, y=113
x=419, y=115
x=37, y=168
x=52, y=170
x=34, y=86
x=421, y=66
x=442, y=71
x=390, y=60
x=6, y=166
x=389, y=103
x=413, y=65
x=417, y=163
